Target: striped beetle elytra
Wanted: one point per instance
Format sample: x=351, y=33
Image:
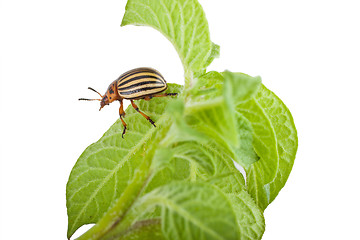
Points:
x=139, y=83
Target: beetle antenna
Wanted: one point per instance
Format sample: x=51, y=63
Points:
x=95, y=91
x=86, y=99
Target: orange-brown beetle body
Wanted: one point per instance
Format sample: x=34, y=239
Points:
x=139, y=83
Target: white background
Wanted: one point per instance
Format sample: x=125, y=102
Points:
x=307, y=52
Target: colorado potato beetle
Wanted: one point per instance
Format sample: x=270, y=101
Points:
x=139, y=83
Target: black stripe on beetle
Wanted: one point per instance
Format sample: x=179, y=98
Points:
x=139, y=90
x=137, y=78
x=140, y=84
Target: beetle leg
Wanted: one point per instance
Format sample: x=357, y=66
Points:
x=122, y=114
x=144, y=115
x=147, y=98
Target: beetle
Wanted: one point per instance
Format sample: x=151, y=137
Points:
x=139, y=83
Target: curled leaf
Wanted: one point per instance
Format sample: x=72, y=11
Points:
x=182, y=22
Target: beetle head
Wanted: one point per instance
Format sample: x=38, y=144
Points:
x=104, y=101
x=110, y=95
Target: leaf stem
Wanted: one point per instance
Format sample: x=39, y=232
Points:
x=148, y=225
x=188, y=78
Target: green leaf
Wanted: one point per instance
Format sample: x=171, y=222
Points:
x=264, y=139
x=215, y=53
x=180, y=131
x=230, y=181
x=213, y=113
x=207, y=86
x=193, y=211
x=249, y=217
x=275, y=142
x=197, y=156
x=190, y=158
x=104, y=169
x=240, y=86
x=236, y=87
x=161, y=158
x=226, y=176
x=177, y=169
x=193, y=161
x=182, y=22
